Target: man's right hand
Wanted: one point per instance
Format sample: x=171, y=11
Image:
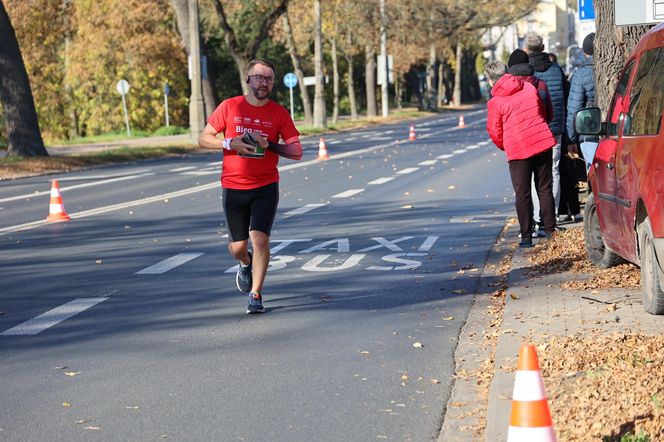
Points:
x=241, y=147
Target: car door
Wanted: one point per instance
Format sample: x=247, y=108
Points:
x=604, y=163
x=638, y=159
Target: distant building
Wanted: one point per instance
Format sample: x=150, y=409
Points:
x=559, y=26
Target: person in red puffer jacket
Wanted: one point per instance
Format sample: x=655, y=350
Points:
x=516, y=126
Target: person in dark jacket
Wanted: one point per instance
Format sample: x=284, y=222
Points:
x=582, y=90
x=518, y=65
x=516, y=126
x=554, y=77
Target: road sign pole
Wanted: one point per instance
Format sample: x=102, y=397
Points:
x=291, y=104
x=166, y=109
x=124, y=108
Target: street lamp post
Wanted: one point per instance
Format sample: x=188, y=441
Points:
x=196, y=111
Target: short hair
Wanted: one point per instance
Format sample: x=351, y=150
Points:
x=494, y=70
x=263, y=62
x=534, y=43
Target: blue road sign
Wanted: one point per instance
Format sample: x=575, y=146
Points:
x=290, y=80
x=167, y=89
x=586, y=10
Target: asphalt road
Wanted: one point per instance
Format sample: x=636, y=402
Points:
x=125, y=323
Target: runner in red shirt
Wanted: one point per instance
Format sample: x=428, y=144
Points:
x=252, y=125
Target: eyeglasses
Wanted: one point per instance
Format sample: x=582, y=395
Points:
x=260, y=79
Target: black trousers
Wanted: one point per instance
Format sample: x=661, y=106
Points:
x=569, y=194
x=521, y=172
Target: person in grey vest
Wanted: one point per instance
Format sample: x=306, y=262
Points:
x=554, y=77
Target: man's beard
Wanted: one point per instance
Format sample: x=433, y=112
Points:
x=261, y=92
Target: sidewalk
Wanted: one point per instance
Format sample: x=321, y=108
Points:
x=533, y=307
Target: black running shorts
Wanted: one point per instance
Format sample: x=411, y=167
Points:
x=252, y=209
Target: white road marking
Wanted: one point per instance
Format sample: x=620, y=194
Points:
x=383, y=180
x=182, y=169
x=101, y=177
x=444, y=156
x=427, y=163
x=428, y=243
x=423, y=129
x=458, y=151
x=52, y=317
x=303, y=209
x=387, y=132
x=168, y=264
x=200, y=172
x=408, y=170
x=214, y=163
x=381, y=138
x=351, y=139
x=473, y=147
x=76, y=186
x=212, y=185
x=348, y=193
x=484, y=143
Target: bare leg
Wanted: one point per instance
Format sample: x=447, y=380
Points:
x=261, y=258
x=238, y=250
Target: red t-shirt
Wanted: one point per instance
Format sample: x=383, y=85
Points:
x=236, y=116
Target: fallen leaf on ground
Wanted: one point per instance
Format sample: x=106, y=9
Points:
x=449, y=318
x=72, y=373
x=514, y=296
x=418, y=345
x=66, y=404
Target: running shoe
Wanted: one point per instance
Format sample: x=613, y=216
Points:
x=243, y=278
x=255, y=304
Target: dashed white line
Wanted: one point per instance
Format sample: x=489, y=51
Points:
x=200, y=172
x=408, y=170
x=303, y=209
x=459, y=151
x=52, y=317
x=348, y=193
x=383, y=180
x=444, y=156
x=168, y=264
x=182, y=169
x=76, y=186
x=473, y=147
x=427, y=163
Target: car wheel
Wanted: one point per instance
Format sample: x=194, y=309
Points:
x=598, y=253
x=651, y=274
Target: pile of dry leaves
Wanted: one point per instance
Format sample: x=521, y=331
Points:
x=583, y=375
x=566, y=252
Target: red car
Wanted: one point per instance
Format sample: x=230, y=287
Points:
x=624, y=215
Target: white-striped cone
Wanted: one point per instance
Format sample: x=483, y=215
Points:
x=322, y=150
x=412, y=136
x=56, y=209
x=531, y=419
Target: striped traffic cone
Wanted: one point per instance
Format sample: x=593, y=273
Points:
x=412, y=136
x=462, y=123
x=322, y=150
x=531, y=418
x=56, y=210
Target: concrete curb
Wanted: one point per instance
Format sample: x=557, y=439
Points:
x=465, y=407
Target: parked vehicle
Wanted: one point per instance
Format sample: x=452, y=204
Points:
x=624, y=214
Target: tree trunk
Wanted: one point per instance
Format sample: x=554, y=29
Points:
x=181, y=9
x=431, y=77
x=613, y=45
x=243, y=54
x=397, y=89
x=23, y=135
x=370, y=79
x=457, y=74
x=297, y=67
x=319, y=94
x=440, y=96
x=351, y=88
x=470, y=84
x=335, y=81
x=69, y=94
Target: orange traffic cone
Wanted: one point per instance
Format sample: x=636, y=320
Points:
x=322, y=150
x=412, y=136
x=56, y=210
x=462, y=123
x=531, y=418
